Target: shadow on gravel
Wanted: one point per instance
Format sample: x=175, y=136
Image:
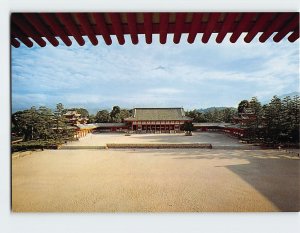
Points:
x=275, y=174
x=277, y=179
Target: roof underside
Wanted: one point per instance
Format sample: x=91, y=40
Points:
x=42, y=27
x=158, y=114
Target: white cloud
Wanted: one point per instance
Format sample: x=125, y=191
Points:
x=157, y=74
x=163, y=91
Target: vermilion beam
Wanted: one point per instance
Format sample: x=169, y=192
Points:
x=163, y=27
x=243, y=24
x=148, y=27
x=56, y=28
x=37, y=24
x=30, y=27
x=213, y=19
x=294, y=36
x=14, y=43
x=30, y=32
x=101, y=26
x=180, y=19
x=82, y=17
x=66, y=19
x=117, y=27
x=195, y=26
x=293, y=25
x=22, y=38
x=258, y=26
x=131, y=19
x=278, y=22
x=230, y=17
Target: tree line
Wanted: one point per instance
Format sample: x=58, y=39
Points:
x=116, y=115
x=41, y=124
x=44, y=124
x=275, y=122
x=212, y=115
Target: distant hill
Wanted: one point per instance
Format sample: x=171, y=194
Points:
x=204, y=110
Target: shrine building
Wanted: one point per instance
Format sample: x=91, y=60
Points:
x=157, y=120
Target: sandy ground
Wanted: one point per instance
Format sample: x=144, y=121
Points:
x=168, y=180
x=101, y=139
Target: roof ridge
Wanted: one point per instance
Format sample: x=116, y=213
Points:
x=159, y=114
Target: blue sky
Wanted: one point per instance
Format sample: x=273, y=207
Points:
x=189, y=75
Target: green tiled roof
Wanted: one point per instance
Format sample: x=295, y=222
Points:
x=158, y=114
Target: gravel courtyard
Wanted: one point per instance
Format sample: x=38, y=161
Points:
x=216, y=139
x=169, y=180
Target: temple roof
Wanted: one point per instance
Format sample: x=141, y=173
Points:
x=72, y=113
x=158, y=114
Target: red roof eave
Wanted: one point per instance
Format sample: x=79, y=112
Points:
x=47, y=26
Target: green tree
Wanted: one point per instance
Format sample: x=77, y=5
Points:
x=227, y=114
x=287, y=118
x=209, y=116
x=273, y=120
x=33, y=124
x=60, y=125
x=102, y=116
x=124, y=113
x=254, y=130
x=188, y=127
x=276, y=122
x=255, y=105
x=92, y=119
x=17, y=123
x=295, y=112
x=192, y=114
x=216, y=115
x=114, y=113
x=29, y=120
x=45, y=122
x=290, y=119
x=42, y=124
x=242, y=105
x=196, y=115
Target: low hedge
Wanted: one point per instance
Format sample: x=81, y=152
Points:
x=34, y=145
x=158, y=146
